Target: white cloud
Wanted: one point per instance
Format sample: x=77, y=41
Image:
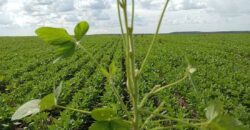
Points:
x=42, y=2
x=46, y=6
x=229, y=8
x=100, y=15
x=71, y=18
x=93, y=4
x=64, y=5
x=2, y=2
x=177, y=5
x=150, y=4
x=24, y=16
x=5, y=19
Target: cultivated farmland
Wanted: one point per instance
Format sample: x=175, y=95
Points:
x=222, y=61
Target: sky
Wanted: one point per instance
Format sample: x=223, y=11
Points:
x=22, y=17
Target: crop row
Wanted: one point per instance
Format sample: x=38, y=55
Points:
x=222, y=62
x=41, y=80
x=222, y=73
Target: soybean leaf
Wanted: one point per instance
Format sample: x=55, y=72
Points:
x=54, y=36
x=226, y=123
x=81, y=29
x=100, y=125
x=104, y=72
x=58, y=90
x=119, y=124
x=103, y=114
x=28, y=108
x=112, y=68
x=48, y=102
x=116, y=124
x=214, y=110
x=60, y=38
x=65, y=50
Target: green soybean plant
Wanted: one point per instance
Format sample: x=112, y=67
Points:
x=136, y=116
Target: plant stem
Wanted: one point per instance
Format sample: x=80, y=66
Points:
x=157, y=89
x=172, y=84
x=158, y=109
x=154, y=37
x=120, y=20
x=130, y=63
x=133, y=13
x=130, y=58
x=73, y=109
x=187, y=119
x=124, y=107
x=197, y=125
x=162, y=128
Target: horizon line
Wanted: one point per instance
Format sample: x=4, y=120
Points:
x=176, y=32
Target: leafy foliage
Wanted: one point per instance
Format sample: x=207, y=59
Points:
x=29, y=108
x=81, y=29
x=226, y=122
x=112, y=68
x=35, y=106
x=218, y=121
x=110, y=125
x=106, y=119
x=54, y=36
x=222, y=67
x=59, y=37
x=103, y=114
x=214, y=110
x=48, y=102
x=104, y=72
x=57, y=91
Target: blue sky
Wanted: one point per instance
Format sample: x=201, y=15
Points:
x=22, y=17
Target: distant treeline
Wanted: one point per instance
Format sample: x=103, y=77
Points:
x=198, y=32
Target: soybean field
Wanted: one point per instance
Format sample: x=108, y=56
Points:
x=27, y=72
